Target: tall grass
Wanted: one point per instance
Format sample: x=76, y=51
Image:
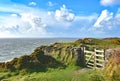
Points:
x=67, y=74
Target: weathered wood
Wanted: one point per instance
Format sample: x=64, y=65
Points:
x=88, y=51
x=90, y=58
x=97, y=55
x=90, y=66
x=99, y=60
x=95, y=59
x=100, y=51
x=99, y=64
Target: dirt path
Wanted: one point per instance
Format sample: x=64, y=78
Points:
x=82, y=70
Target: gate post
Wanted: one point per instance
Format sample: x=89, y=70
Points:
x=82, y=56
x=94, y=58
x=104, y=59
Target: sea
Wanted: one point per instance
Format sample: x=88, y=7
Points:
x=16, y=47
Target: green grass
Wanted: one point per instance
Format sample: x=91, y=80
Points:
x=50, y=75
x=71, y=44
x=71, y=73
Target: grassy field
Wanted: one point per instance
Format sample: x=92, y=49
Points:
x=67, y=74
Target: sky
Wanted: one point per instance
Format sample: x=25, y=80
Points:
x=59, y=18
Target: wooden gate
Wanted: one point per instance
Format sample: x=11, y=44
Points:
x=95, y=59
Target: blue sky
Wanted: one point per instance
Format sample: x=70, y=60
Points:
x=59, y=18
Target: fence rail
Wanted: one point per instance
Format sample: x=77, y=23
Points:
x=95, y=59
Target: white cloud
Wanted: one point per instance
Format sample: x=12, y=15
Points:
x=9, y=9
x=61, y=18
x=35, y=23
x=104, y=16
x=64, y=14
x=50, y=4
x=23, y=21
x=14, y=15
x=32, y=3
x=4, y=34
x=109, y=2
x=108, y=24
x=29, y=22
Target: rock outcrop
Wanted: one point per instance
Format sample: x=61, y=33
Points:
x=113, y=67
x=68, y=54
x=52, y=56
x=37, y=61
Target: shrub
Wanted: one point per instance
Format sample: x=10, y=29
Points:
x=116, y=41
x=112, y=69
x=96, y=77
x=23, y=62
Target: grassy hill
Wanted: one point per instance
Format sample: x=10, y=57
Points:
x=62, y=62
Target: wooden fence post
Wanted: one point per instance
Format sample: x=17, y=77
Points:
x=94, y=58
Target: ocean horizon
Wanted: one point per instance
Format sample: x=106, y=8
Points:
x=15, y=47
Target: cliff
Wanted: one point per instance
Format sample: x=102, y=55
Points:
x=37, y=61
x=52, y=56
x=67, y=53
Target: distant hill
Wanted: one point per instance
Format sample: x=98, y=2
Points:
x=114, y=40
x=111, y=38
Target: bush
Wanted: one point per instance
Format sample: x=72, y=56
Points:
x=96, y=77
x=24, y=72
x=23, y=62
x=37, y=61
x=116, y=41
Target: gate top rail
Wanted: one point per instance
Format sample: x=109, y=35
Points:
x=88, y=51
x=101, y=51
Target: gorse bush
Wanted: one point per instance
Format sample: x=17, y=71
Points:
x=116, y=41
